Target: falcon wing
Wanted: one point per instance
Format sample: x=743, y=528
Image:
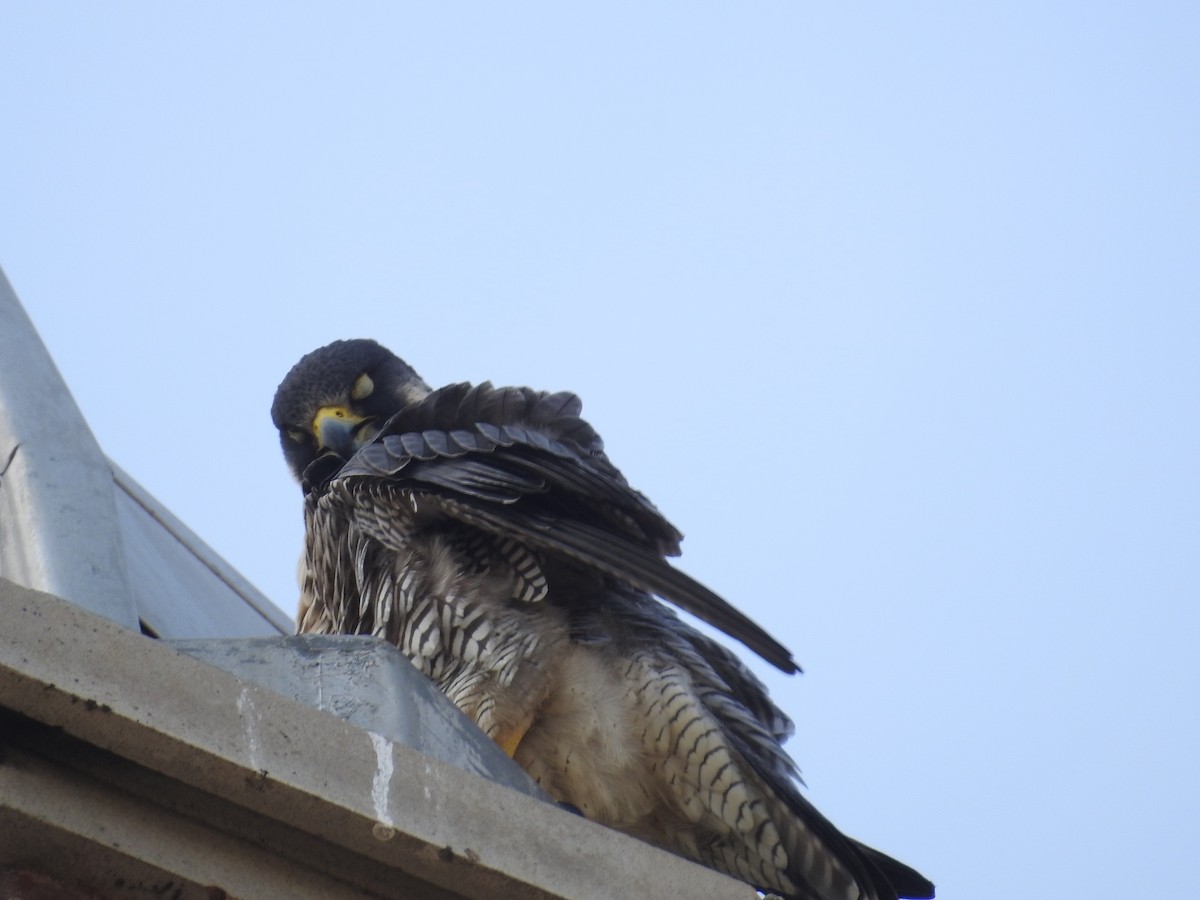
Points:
x=722, y=707
x=755, y=728
x=523, y=464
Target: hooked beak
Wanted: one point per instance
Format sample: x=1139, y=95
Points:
x=341, y=431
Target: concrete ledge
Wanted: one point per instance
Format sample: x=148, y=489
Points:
x=369, y=683
x=221, y=755
x=96, y=828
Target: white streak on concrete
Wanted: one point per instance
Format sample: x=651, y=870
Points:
x=381, y=786
x=245, y=705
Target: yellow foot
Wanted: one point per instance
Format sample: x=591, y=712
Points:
x=510, y=741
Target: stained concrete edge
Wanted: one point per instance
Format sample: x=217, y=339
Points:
x=358, y=790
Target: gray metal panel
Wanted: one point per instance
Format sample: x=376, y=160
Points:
x=182, y=588
x=370, y=684
x=58, y=518
x=75, y=525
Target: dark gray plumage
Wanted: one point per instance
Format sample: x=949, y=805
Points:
x=484, y=532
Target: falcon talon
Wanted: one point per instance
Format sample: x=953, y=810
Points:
x=485, y=533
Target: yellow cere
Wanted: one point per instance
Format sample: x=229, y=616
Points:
x=333, y=412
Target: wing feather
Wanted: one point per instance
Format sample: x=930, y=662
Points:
x=626, y=561
x=523, y=464
x=755, y=728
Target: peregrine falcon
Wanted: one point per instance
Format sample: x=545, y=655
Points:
x=484, y=532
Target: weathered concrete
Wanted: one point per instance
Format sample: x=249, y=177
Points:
x=305, y=788
x=92, y=829
x=370, y=684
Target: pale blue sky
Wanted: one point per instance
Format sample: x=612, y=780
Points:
x=894, y=309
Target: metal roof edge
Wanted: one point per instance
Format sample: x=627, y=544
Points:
x=236, y=582
x=58, y=517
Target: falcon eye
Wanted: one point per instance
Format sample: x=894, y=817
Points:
x=363, y=385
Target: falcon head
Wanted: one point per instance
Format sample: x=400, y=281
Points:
x=337, y=398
